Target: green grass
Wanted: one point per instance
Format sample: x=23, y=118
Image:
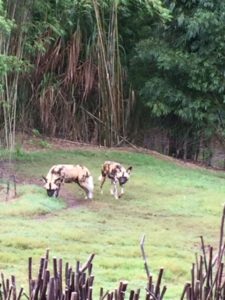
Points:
x=172, y=205
x=30, y=201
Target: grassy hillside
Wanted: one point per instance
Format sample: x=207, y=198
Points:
x=171, y=204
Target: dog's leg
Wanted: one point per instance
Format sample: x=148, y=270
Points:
x=56, y=194
x=102, y=181
x=114, y=190
x=121, y=191
x=87, y=186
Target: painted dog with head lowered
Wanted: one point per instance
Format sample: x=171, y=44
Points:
x=118, y=175
x=59, y=174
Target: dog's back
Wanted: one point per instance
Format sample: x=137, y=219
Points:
x=112, y=169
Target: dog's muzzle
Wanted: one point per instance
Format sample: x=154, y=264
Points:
x=122, y=180
x=52, y=193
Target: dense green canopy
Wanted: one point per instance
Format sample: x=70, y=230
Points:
x=182, y=65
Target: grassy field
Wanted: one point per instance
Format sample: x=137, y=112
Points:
x=171, y=204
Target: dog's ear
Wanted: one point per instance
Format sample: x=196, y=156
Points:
x=129, y=169
x=44, y=178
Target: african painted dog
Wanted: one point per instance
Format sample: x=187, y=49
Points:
x=59, y=174
x=117, y=174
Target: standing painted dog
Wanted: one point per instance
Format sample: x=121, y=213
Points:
x=59, y=174
x=117, y=174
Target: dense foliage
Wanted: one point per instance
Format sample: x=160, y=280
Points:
x=101, y=71
x=180, y=69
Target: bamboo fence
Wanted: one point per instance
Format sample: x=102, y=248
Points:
x=8, y=187
x=69, y=285
x=207, y=279
x=207, y=273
